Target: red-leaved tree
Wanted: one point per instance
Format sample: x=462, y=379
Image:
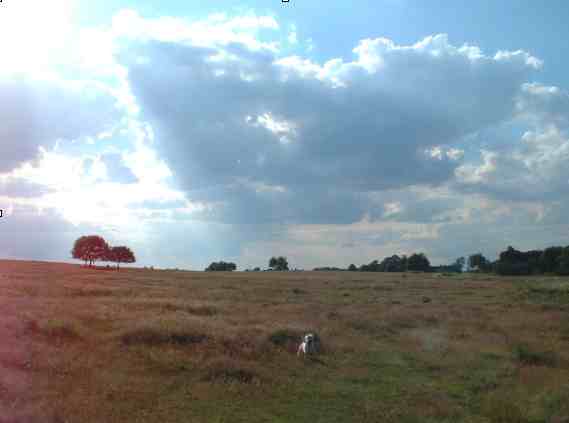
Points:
x=90, y=249
x=120, y=255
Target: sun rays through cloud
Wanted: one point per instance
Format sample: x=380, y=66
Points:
x=154, y=121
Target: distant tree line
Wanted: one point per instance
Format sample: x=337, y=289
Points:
x=221, y=266
x=552, y=260
x=275, y=263
x=328, y=269
x=93, y=248
x=417, y=262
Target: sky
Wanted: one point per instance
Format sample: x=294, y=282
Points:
x=328, y=132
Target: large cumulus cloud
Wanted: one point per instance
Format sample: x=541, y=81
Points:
x=255, y=131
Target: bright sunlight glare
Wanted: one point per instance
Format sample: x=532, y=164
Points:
x=33, y=33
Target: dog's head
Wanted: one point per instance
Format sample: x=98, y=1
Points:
x=309, y=338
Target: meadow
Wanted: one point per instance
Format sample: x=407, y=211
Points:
x=86, y=345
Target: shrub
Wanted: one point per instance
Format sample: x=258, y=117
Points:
x=284, y=337
x=523, y=354
x=155, y=337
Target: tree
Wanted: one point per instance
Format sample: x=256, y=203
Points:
x=563, y=263
x=459, y=264
x=221, y=267
x=372, y=267
x=511, y=255
x=278, y=263
x=477, y=262
x=352, y=268
x=273, y=262
x=393, y=264
x=514, y=262
x=549, y=259
x=119, y=255
x=90, y=249
x=418, y=262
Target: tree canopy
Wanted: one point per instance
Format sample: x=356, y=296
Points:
x=418, y=262
x=221, y=266
x=119, y=255
x=550, y=260
x=90, y=249
x=478, y=262
x=278, y=263
x=94, y=248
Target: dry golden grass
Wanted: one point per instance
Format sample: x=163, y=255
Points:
x=83, y=345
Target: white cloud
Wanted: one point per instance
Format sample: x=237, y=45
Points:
x=283, y=129
x=534, y=167
x=353, y=123
x=217, y=30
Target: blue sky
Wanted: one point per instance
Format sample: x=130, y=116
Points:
x=331, y=132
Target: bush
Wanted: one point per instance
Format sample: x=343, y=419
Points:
x=524, y=355
x=155, y=337
x=284, y=337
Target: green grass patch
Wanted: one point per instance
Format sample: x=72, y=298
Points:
x=525, y=355
x=545, y=292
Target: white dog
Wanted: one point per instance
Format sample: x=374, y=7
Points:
x=309, y=345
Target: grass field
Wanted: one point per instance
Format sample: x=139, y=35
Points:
x=85, y=345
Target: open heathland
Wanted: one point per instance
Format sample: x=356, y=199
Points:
x=136, y=345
